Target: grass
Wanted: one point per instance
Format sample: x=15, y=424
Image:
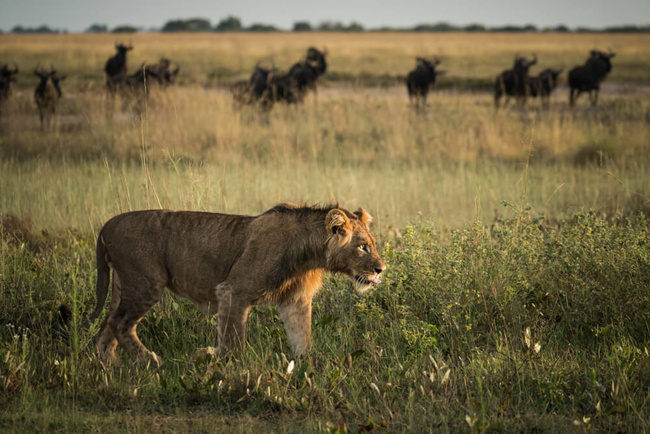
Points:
x=521, y=325
x=516, y=297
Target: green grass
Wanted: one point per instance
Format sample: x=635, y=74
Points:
x=521, y=325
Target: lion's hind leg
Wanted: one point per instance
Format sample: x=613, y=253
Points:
x=138, y=295
x=106, y=340
x=233, y=313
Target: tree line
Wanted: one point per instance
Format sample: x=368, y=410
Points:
x=234, y=24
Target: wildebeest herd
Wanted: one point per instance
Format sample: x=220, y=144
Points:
x=117, y=79
x=267, y=86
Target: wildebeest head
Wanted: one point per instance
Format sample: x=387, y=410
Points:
x=428, y=64
x=522, y=65
x=602, y=59
x=7, y=74
x=551, y=76
x=316, y=59
x=48, y=76
x=122, y=49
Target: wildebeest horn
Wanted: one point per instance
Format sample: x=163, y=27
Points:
x=436, y=60
x=15, y=71
x=611, y=53
x=534, y=61
x=38, y=72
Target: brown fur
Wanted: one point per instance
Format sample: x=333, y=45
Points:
x=227, y=263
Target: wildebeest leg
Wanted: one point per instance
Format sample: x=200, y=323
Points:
x=138, y=295
x=593, y=98
x=233, y=313
x=573, y=96
x=296, y=316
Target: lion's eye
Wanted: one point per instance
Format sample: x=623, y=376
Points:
x=363, y=248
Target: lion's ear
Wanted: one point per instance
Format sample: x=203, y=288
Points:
x=363, y=215
x=336, y=220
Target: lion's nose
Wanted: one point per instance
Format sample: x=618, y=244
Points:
x=378, y=270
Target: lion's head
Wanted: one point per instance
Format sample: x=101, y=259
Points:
x=351, y=248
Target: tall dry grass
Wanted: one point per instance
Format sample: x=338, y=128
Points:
x=191, y=149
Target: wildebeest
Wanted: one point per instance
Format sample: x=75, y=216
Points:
x=136, y=84
x=306, y=72
x=543, y=84
x=267, y=87
x=514, y=82
x=117, y=65
x=7, y=77
x=164, y=70
x=587, y=78
x=421, y=78
x=254, y=89
x=47, y=93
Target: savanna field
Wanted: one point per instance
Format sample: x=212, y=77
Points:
x=517, y=294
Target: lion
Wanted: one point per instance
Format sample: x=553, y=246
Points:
x=225, y=264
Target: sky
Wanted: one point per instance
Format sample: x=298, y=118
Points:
x=77, y=15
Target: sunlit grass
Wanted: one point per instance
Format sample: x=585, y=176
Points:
x=455, y=164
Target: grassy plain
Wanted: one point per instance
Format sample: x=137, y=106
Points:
x=370, y=58
x=507, y=305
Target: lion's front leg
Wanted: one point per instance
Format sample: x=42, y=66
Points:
x=296, y=316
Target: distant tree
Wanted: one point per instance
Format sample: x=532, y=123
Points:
x=124, y=29
x=229, y=24
x=329, y=26
x=302, y=26
x=41, y=29
x=475, y=28
x=198, y=24
x=355, y=27
x=627, y=29
x=560, y=28
x=586, y=30
x=97, y=28
x=175, y=26
x=260, y=27
x=438, y=27
x=508, y=28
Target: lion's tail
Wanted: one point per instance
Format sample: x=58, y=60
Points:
x=103, y=276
